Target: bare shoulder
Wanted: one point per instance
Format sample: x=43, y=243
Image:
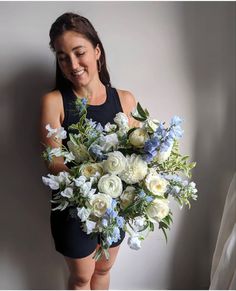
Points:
x=128, y=104
x=52, y=103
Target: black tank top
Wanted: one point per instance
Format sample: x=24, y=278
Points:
x=102, y=113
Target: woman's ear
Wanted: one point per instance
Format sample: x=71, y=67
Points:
x=97, y=51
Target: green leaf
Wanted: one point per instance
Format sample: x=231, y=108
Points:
x=141, y=111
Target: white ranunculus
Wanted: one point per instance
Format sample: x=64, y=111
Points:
x=83, y=213
x=109, y=142
x=121, y=119
x=127, y=197
x=138, y=137
x=158, y=210
x=163, y=156
x=134, y=242
x=79, y=151
x=100, y=203
x=111, y=185
x=135, y=171
x=115, y=163
x=156, y=184
x=68, y=192
x=91, y=169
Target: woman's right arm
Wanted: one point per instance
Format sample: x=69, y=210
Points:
x=51, y=113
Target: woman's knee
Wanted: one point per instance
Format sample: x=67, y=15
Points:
x=80, y=279
x=102, y=270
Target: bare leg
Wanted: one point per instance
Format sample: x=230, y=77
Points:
x=81, y=271
x=101, y=276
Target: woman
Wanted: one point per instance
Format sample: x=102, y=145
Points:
x=81, y=72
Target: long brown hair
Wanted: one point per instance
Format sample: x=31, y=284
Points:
x=74, y=22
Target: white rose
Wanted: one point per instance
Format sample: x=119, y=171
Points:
x=79, y=151
x=134, y=243
x=115, y=163
x=163, y=156
x=135, y=171
x=158, y=210
x=121, y=119
x=138, y=137
x=156, y=184
x=91, y=169
x=139, y=223
x=100, y=202
x=111, y=185
x=127, y=197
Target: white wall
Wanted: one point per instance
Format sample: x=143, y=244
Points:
x=176, y=58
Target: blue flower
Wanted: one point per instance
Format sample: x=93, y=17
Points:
x=84, y=101
x=104, y=222
x=120, y=221
x=113, y=203
x=141, y=194
x=111, y=213
x=149, y=199
x=109, y=240
x=116, y=234
x=175, y=120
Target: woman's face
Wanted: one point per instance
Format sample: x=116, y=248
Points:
x=77, y=58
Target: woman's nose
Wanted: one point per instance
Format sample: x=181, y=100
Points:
x=74, y=64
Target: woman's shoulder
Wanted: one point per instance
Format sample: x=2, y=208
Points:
x=52, y=102
x=127, y=98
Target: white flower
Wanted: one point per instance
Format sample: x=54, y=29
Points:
x=108, y=142
x=127, y=197
x=57, y=152
x=139, y=223
x=115, y=163
x=80, y=181
x=158, y=210
x=121, y=119
x=151, y=124
x=68, y=192
x=89, y=226
x=86, y=191
x=69, y=157
x=162, y=156
x=111, y=185
x=135, y=171
x=100, y=202
x=61, y=133
x=62, y=206
x=51, y=182
x=110, y=127
x=134, y=242
x=79, y=151
x=54, y=181
x=83, y=213
x=50, y=130
x=156, y=184
x=138, y=137
x=91, y=170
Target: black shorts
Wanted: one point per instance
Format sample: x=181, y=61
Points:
x=69, y=238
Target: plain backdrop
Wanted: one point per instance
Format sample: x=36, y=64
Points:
x=177, y=58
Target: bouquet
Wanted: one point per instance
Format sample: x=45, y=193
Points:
x=120, y=177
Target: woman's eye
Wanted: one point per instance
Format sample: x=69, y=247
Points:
x=80, y=54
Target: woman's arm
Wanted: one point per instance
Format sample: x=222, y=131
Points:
x=129, y=103
x=51, y=112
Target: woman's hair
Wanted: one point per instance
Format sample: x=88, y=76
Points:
x=74, y=22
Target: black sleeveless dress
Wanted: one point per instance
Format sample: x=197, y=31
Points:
x=69, y=238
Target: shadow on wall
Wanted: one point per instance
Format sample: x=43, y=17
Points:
x=209, y=36
x=26, y=246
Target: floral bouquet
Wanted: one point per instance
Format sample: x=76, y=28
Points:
x=120, y=177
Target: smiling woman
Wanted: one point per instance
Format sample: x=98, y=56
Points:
x=81, y=72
